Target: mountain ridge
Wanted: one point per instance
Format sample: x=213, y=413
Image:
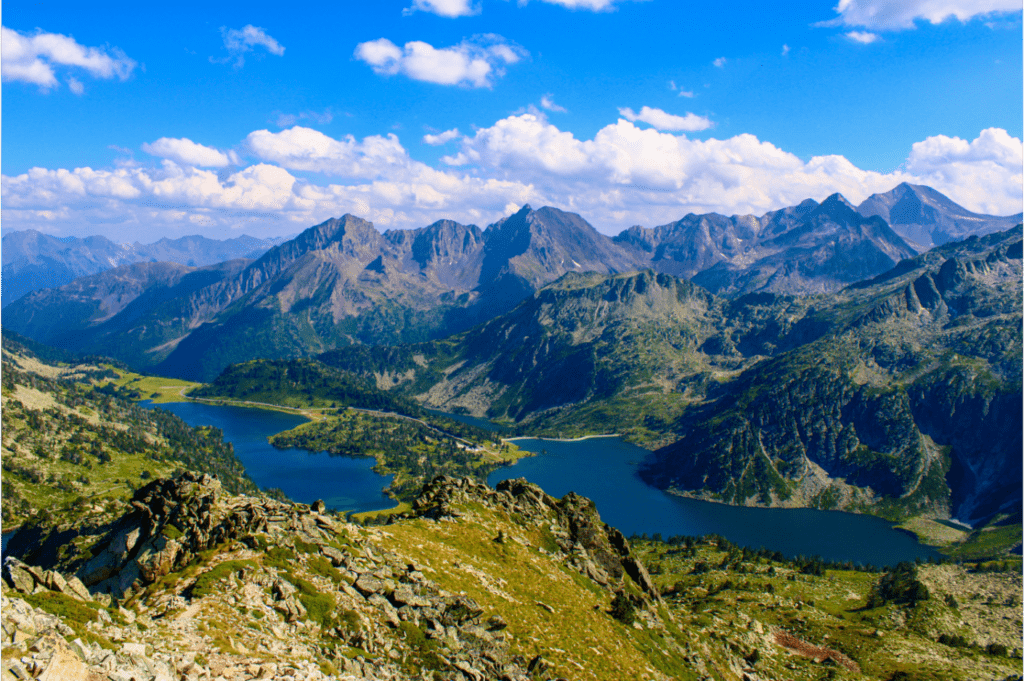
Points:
x=33, y=260
x=342, y=282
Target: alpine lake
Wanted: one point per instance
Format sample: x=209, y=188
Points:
x=600, y=468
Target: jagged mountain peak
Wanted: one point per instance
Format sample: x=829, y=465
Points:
x=836, y=207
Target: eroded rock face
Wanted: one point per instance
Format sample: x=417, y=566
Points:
x=170, y=521
x=597, y=550
x=29, y=579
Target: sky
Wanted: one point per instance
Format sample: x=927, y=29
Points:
x=143, y=120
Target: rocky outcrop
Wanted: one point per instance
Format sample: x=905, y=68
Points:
x=172, y=520
x=29, y=579
x=596, y=549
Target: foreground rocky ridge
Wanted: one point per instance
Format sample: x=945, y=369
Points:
x=475, y=583
x=333, y=596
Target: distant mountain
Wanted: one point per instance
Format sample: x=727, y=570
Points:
x=134, y=312
x=809, y=248
x=583, y=338
x=337, y=283
x=33, y=261
x=343, y=282
x=928, y=218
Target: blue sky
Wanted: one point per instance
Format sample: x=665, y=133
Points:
x=264, y=118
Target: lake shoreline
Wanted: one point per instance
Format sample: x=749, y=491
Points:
x=558, y=439
x=604, y=469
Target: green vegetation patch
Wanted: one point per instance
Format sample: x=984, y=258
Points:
x=411, y=450
x=207, y=583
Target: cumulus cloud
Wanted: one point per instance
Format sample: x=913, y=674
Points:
x=895, y=15
x=476, y=62
x=185, y=152
x=720, y=62
x=666, y=121
x=444, y=8
x=984, y=173
x=306, y=149
x=238, y=41
x=624, y=175
x=628, y=175
x=442, y=138
x=34, y=59
x=548, y=102
x=863, y=37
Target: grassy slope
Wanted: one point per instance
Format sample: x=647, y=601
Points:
x=67, y=442
x=832, y=610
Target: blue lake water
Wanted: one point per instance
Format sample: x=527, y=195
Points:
x=343, y=482
x=604, y=469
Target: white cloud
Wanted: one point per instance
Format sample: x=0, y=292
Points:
x=185, y=152
x=720, y=62
x=444, y=8
x=306, y=149
x=442, y=138
x=238, y=41
x=627, y=175
x=895, y=15
x=473, y=62
x=983, y=174
x=666, y=121
x=863, y=37
x=785, y=50
x=624, y=175
x=33, y=58
x=548, y=102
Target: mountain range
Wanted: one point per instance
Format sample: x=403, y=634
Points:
x=898, y=395
x=33, y=260
x=343, y=282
